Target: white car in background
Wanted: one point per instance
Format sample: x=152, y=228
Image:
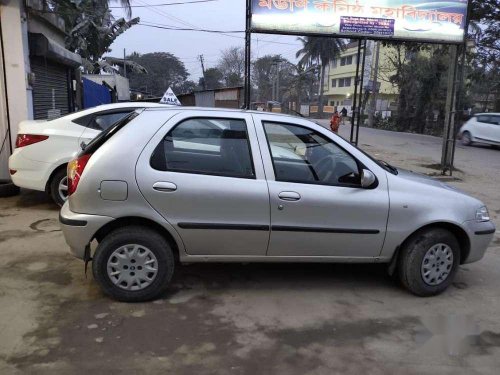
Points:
x=44, y=148
x=482, y=128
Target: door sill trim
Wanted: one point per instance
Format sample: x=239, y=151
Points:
x=279, y=259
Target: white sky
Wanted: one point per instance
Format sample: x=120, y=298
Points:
x=187, y=45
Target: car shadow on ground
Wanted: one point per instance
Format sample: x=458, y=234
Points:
x=32, y=198
x=286, y=276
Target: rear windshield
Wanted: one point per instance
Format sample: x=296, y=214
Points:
x=103, y=137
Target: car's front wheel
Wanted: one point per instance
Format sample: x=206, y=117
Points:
x=428, y=261
x=466, y=138
x=133, y=264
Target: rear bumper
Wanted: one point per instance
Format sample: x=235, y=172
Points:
x=30, y=174
x=480, y=234
x=79, y=229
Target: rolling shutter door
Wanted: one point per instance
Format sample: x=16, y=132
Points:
x=50, y=89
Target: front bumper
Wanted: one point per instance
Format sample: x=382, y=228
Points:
x=80, y=229
x=480, y=234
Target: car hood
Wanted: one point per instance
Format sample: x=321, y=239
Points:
x=427, y=180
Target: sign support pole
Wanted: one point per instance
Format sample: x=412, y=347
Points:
x=449, y=122
x=248, y=40
x=361, y=92
x=353, y=117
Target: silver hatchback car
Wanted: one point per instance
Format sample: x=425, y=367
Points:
x=211, y=185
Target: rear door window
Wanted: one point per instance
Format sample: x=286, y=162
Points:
x=483, y=118
x=211, y=146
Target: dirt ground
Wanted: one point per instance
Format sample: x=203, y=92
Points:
x=246, y=319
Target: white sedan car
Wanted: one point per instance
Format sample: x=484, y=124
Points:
x=482, y=128
x=44, y=148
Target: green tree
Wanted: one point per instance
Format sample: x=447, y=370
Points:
x=164, y=71
x=213, y=79
x=91, y=29
x=483, y=63
x=232, y=66
x=319, y=51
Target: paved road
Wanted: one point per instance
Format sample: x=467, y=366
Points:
x=248, y=319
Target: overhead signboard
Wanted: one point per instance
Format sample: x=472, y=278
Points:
x=419, y=20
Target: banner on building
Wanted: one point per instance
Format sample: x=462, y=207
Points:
x=170, y=98
x=419, y=20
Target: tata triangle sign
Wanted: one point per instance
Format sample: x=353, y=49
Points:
x=170, y=98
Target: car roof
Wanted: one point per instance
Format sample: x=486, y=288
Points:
x=107, y=107
x=213, y=109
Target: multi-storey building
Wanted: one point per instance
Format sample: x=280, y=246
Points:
x=341, y=75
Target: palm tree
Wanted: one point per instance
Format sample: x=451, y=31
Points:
x=321, y=51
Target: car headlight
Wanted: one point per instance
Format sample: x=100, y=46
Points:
x=482, y=214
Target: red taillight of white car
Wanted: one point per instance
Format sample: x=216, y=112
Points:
x=75, y=171
x=23, y=140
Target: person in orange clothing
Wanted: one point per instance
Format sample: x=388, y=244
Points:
x=335, y=122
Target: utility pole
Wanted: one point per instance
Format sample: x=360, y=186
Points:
x=124, y=63
x=373, y=99
x=203, y=70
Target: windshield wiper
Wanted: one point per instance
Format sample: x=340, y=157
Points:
x=390, y=167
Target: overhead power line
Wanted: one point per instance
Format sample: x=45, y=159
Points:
x=163, y=5
x=170, y=27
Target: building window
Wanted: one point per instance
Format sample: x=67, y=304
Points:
x=347, y=60
x=334, y=83
x=345, y=82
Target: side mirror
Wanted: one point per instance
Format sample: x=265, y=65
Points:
x=367, y=179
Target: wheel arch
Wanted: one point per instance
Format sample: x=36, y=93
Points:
x=52, y=174
x=138, y=221
x=460, y=234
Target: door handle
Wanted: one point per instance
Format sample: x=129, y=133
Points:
x=165, y=187
x=289, y=196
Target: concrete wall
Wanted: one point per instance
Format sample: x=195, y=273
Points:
x=15, y=61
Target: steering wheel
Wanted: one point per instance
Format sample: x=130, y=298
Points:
x=325, y=168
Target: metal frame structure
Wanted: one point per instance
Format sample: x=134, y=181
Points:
x=449, y=133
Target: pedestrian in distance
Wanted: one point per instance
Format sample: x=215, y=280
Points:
x=335, y=122
x=344, y=115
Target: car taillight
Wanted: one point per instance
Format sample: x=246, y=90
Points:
x=75, y=170
x=28, y=139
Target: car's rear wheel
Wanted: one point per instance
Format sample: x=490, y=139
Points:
x=133, y=264
x=59, y=187
x=466, y=138
x=428, y=261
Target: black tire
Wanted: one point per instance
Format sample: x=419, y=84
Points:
x=143, y=236
x=60, y=175
x=412, y=255
x=466, y=138
x=8, y=189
